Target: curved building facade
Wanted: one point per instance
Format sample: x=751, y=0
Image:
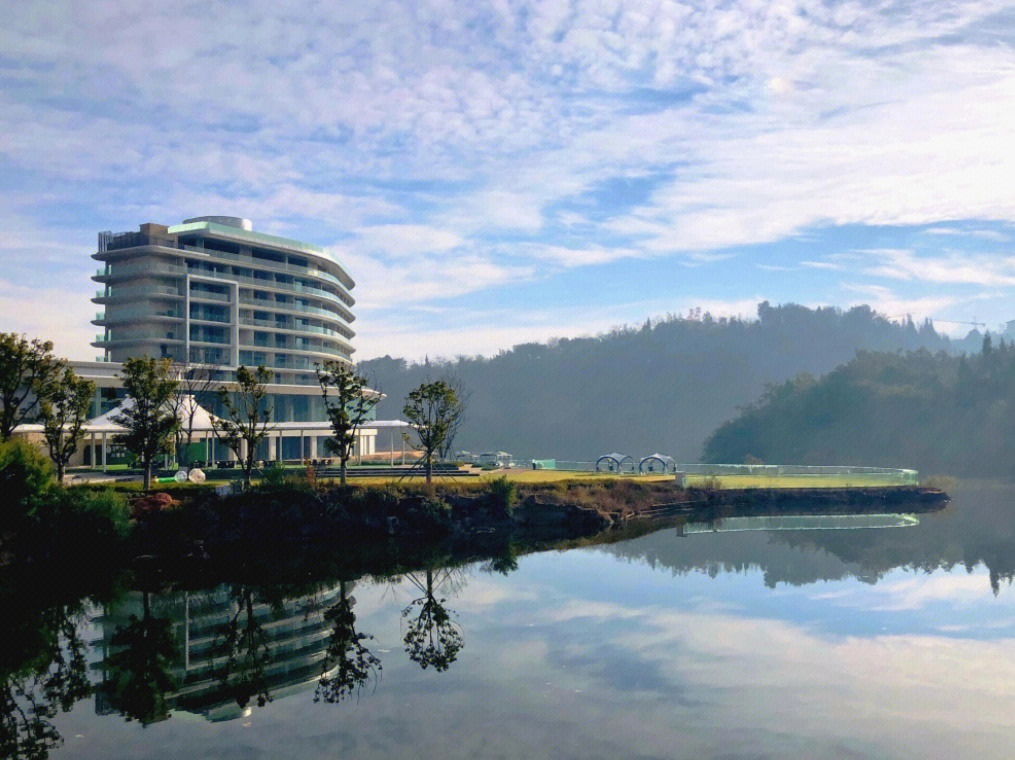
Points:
x=213, y=292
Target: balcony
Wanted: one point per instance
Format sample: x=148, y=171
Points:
x=149, y=291
x=209, y=295
x=218, y=340
x=127, y=272
x=252, y=262
x=270, y=304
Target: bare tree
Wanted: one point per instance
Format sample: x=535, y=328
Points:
x=247, y=418
x=193, y=382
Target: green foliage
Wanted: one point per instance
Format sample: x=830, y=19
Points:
x=502, y=494
x=277, y=477
x=434, y=409
x=147, y=415
x=64, y=408
x=26, y=368
x=932, y=412
x=42, y=520
x=247, y=418
x=24, y=471
x=348, y=406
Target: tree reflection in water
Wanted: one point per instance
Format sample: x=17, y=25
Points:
x=349, y=664
x=43, y=672
x=432, y=638
x=139, y=669
x=247, y=653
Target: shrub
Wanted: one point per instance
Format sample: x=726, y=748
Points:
x=502, y=494
x=25, y=472
x=101, y=518
x=275, y=477
x=434, y=513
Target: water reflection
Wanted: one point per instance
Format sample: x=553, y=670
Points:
x=352, y=664
x=432, y=637
x=601, y=627
x=214, y=653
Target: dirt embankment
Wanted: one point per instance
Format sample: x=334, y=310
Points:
x=614, y=503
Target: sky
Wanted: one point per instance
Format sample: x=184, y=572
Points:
x=494, y=173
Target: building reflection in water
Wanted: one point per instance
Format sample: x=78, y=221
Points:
x=211, y=653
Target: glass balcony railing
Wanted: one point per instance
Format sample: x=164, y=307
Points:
x=130, y=315
x=209, y=295
x=204, y=338
x=147, y=270
x=205, y=316
x=275, y=266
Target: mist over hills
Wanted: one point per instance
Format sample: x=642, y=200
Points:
x=663, y=386
x=935, y=412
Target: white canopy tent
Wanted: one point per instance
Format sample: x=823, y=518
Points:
x=100, y=430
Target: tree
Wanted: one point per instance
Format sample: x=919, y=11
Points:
x=151, y=424
x=348, y=406
x=195, y=383
x=64, y=407
x=433, y=409
x=140, y=669
x=431, y=638
x=455, y=418
x=349, y=664
x=247, y=418
x=26, y=368
x=247, y=652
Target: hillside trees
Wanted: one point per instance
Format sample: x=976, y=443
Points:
x=663, y=386
x=934, y=412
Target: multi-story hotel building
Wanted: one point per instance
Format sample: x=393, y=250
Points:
x=213, y=292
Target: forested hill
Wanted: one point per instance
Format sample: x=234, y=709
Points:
x=661, y=387
x=934, y=412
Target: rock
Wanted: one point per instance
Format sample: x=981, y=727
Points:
x=152, y=503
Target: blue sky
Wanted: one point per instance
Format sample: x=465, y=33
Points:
x=500, y=172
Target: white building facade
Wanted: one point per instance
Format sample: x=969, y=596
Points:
x=211, y=294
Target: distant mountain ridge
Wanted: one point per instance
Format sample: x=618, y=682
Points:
x=663, y=386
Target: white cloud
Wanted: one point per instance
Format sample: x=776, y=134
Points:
x=56, y=314
x=424, y=136
x=952, y=268
x=407, y=239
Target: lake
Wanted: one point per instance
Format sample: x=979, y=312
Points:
x=764, y=636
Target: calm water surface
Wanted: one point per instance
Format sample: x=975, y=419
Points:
x=761, y=639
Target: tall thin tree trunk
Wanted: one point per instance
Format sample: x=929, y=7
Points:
x=341, y=471
x=147, y=475
x=429, y=467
